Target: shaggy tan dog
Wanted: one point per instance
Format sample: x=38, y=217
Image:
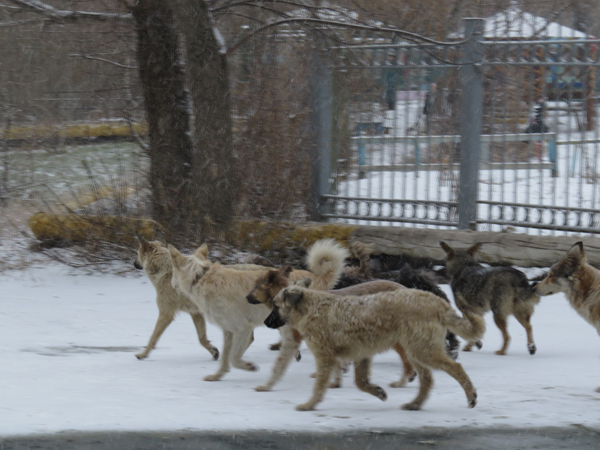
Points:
x=220, y=294
x=579, y=281
x=357, y=327
x=268, y=286
x=154, y=259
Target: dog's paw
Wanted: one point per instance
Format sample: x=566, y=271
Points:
x=250, y=367
x=400, y=383
x=262, y=389
x=479, y=344
x=473, y=400
x=335, y=385
x=467, y=348
x=141, y=356
x=305, y=407
x=501, y=352
x=215, y=377
x=380, y=394
x=214, y=351
x=298, y=355
x=412, y=377
x=598, y=390
x=412, y=406
x=532, y=349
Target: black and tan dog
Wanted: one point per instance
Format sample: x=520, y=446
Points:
x=355, y=328
x=579, y=281
x=503, y=290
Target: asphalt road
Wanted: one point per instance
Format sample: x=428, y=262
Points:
x=573, y=438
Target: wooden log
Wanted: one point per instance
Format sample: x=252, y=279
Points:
x=522, y=250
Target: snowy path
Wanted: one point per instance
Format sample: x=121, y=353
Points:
x=67, y=346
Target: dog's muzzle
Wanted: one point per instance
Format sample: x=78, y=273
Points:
x=137, y=265
x=274, y=320
x=252, y=300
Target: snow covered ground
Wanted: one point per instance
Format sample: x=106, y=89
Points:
x=67, y=345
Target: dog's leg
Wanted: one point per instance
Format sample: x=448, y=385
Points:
x=425, y=383
x=163, y=321
x=362, y=373
x=441, y=361
x=200, y=325
x=524, y=318
x=289, y=348
x=241, y=342
x=325, y=365
x=409, y=373
x=500, y=321
x=224, y=368
x=452, y=344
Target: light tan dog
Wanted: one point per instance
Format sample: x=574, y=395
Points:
x=154, y=259
x=356, y=328
x=268, y=286
x=220, y=293
x=579, y=281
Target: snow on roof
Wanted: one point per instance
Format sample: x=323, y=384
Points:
x=514, y=23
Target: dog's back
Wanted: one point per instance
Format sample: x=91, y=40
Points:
x=492, y=288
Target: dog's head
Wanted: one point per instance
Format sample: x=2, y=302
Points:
x=456, y=259
x=563, y=274
x=285, y=302
x=187, y=270
x=153, y=258
x=268, y=286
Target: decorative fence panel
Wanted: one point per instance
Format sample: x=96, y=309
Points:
x=482, y=134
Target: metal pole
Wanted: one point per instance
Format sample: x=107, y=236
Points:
x=321, y=129
x=470, y=126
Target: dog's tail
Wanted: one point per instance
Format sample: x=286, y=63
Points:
x=471, y=327
x=414, y=279
x=326, y=260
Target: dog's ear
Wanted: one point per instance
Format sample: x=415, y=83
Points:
x=474, y=249
x=202, y=252
x=272, y=276
x=449, y=250
x=293, y=297
x=176, y=256
x=143, y=242
x=285, y=271
x=305, y=283
x=159, y=235
x=576, y=253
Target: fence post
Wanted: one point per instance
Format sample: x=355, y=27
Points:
x=320, y=82
x=470, y=124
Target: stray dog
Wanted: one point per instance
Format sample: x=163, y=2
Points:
x=579, y=281
x=267, y=288
x=503, y=290
x=154, y=259
x=220, y=293
x=357, y=327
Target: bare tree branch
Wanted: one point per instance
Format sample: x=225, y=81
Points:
x=405, y=34
x=62, y=15
x=114, y=63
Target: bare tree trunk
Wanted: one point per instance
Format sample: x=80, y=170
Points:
x=167, y=105
x=214, y=172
